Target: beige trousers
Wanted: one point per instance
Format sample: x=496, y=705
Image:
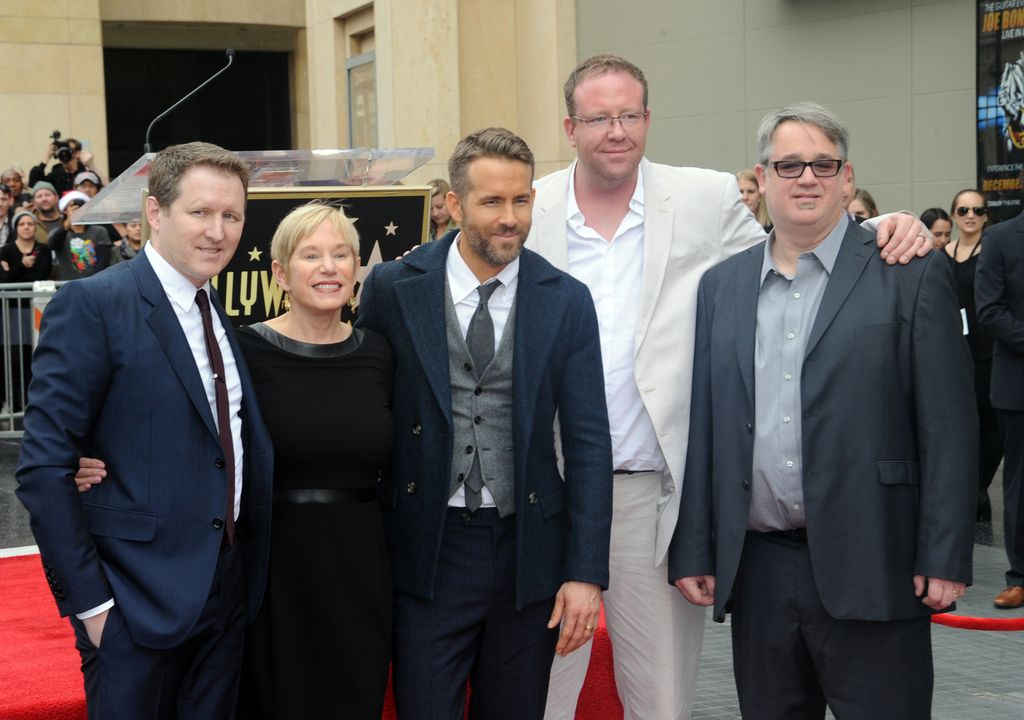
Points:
x=656, y=634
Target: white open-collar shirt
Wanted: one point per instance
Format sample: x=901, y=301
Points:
x=614, y=272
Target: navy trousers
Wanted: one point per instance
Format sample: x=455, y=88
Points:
x=472, y=630
x=197, y=680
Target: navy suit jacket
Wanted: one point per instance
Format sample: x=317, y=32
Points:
x=562, y=526
x=999, y=296
x=114, y=378
x=889, y=432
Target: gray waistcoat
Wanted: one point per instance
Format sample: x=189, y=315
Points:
x=483, y=421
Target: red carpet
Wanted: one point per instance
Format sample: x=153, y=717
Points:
x=40, y=677
x=39, y=666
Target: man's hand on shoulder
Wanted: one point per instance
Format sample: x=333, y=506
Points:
x=699, y=589
x=902, y=237
x=577, y=608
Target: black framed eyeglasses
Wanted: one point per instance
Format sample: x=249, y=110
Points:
x=795, y=168
x=626, y=120
x=979, y=211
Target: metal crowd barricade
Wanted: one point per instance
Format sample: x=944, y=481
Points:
x=21, y=308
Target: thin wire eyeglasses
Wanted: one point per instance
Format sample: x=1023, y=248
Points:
x=600, y=122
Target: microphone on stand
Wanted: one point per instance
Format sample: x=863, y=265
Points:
x=147, y=148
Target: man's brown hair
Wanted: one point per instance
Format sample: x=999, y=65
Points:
x=493, y=142
x=600, y=65
x=170, y=164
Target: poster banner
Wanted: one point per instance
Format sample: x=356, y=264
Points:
x=1000, y=86
x=390, y=221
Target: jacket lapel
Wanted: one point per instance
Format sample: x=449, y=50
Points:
x=659, y=217
x=548, y=235
x=537, y=301
x=747, y=290
x=171, y=337
x=421, y=302
x=854, y=253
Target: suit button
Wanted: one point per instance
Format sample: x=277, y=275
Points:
x=469, y=449
x=746, y=484
x=219, y=463
x=478, y=391
x=532, y=498
x=750, y=428
x=467, y=367
x=417, y=429
x=218, y=524
x=478, y=419
x=410, y=488
x=460, y=478
x=466, y=517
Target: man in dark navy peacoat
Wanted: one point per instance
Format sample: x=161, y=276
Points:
x=480, y=592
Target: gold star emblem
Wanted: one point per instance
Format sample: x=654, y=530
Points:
x=254, y=254
x=390, y=228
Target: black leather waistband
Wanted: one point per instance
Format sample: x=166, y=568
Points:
x=305, y=496
x=796, y=535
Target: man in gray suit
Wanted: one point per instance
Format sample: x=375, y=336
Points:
x=828, y=496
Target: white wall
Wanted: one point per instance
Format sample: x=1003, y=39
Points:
x=900, y=73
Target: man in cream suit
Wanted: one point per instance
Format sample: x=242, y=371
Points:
x=640, y=235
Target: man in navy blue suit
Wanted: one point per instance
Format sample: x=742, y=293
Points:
x=161, y=564
x=491, y=546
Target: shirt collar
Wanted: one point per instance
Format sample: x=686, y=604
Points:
x=180, y=290
x=827, y=250
x=573, y=214
x=462, y=282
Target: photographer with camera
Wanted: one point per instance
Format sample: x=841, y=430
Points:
x=71, y=160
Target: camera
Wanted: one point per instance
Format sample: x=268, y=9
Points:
x=61, y=148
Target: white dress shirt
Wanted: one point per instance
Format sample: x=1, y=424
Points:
x=462, y=284
x=614, y=272
x=182, y=295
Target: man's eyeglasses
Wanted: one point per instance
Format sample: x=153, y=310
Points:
x=795, y=168
x=599, y=122
x=979, y=211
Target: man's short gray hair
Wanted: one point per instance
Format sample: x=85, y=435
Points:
x=810, y=113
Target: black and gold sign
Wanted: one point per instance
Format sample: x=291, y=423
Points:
x=390, y=221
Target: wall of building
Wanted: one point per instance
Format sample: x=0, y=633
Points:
x=445, y=68
x=901, y=74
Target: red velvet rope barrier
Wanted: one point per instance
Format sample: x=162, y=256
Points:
x=978, y=623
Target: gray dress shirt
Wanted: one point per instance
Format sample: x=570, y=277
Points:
x=786, y=309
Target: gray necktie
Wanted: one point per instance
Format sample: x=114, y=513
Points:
x=480, y=336
x=480, y=339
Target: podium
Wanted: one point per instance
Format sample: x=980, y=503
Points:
x=391, y=218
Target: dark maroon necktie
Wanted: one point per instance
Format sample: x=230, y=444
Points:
x=220, y=387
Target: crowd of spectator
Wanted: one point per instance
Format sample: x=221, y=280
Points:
x=56, y=189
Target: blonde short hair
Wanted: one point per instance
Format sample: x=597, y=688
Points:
x=303, y=221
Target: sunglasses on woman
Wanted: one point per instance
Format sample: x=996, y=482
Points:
x=979, y=211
